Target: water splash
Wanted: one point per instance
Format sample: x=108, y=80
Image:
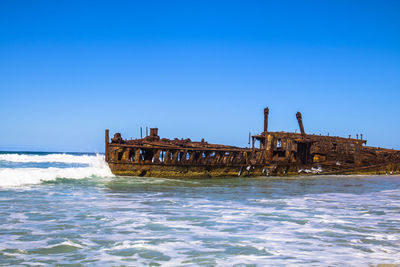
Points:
x=96, y=166
x=64, y=158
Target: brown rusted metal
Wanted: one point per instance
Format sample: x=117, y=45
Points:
x=107, y=142
x=300, y=121
x=266, y=112
x=153, y=132
x=279, y=153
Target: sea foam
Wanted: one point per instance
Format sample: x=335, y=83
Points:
x=25, y=176
x=64, y=158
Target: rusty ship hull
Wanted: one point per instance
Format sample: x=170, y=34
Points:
x=271, y=154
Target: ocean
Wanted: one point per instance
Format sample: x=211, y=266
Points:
x=60, y=209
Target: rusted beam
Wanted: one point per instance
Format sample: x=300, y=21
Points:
x=137, y=155
x=157, y=155
x=269, y=148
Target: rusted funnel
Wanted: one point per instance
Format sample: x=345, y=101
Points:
x=266, y=112
x=300, y=121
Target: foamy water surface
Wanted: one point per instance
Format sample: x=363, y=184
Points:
x=70, y=209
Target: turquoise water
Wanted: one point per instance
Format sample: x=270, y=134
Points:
x=69, y=209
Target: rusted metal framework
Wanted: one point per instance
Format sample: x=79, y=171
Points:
x=177, y=155
x=279, y=153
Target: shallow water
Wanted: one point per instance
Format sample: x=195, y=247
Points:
x=90, y=217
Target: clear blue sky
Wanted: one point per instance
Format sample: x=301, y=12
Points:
x=197, y=69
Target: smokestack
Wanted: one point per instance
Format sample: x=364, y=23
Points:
x=300, y=121
x=266, y=112
x=106, y=143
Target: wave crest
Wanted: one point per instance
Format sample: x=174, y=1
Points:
x=64, y=158
x=25, y=176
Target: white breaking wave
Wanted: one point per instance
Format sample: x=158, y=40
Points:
x=64, y=158
x=25, y=176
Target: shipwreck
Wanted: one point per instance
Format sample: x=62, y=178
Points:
x=276, y=154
